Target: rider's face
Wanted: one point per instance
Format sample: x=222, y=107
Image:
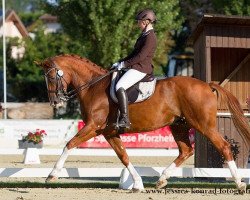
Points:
x=142, y=24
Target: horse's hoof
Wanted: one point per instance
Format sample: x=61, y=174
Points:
x=50, y=179
x=136, y=190
x=242, y=187
x=161, y=183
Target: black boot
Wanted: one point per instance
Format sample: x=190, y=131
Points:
x=123, y=107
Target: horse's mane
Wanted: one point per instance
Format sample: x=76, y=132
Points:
x=77, y=57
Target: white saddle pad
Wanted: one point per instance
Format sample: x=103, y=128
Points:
x=146, y=89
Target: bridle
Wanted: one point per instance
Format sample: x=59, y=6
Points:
x=58, y=79
x=60, y=90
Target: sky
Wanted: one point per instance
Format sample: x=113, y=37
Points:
x=52, y=1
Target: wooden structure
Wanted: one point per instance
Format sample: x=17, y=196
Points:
x=222, y=55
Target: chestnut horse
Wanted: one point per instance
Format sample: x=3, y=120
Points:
x=181, y=102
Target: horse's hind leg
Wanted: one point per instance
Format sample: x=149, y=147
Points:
x=116, y=143
x=83, y=135
x=180, y=133
x=224, y=148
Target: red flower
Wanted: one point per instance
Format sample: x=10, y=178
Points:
x=35, y=137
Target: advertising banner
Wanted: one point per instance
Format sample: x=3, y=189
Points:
x=160, y=138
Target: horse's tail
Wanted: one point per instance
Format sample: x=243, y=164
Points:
x=239, y=120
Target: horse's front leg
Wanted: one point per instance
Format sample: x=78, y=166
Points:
x=83, y=135
x=116, y=143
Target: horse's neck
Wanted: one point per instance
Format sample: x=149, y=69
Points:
x=88, y=97
x=85, y=72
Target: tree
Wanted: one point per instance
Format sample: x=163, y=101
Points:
x=25, y=77
x=108, y=30
x=22, y=5
x=193, y=10
x=233, y=7
x=28, y=18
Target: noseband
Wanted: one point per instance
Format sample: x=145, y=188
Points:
x=60, y=91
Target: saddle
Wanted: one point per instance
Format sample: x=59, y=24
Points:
x=139, y=92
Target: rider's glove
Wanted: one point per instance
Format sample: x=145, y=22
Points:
x=115, y=65
x=120, y=65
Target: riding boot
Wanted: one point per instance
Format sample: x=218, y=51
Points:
x=123, y=107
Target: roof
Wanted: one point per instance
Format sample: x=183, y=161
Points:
x=217, y=19
x=47, y=18
x=12, y=16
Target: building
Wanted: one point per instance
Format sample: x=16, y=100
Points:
x=222, y=55
x=14, y=28
x=51, y=23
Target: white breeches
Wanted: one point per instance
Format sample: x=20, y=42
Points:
x=131, y=77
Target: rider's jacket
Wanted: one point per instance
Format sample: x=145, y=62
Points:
x=142, y=55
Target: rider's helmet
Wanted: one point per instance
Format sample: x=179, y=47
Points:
x=146, y=14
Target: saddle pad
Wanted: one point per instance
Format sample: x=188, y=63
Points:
x=137, y=93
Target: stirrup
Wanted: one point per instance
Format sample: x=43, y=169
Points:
x=124, y=123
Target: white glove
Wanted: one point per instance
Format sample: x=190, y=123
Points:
x=115, y=65
x=120, y=66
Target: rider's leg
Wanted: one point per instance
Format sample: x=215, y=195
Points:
x=123, y=107
x=131, y=77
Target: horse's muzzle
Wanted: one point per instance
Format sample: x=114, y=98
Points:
x=54, y=101
x=56, y=104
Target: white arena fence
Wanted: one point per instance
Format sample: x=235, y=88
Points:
x=126, y=182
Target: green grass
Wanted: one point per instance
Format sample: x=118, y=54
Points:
x=28, y=184
x=112, y=185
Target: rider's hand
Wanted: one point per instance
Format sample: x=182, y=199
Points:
x=120, y=65
x=115, y=65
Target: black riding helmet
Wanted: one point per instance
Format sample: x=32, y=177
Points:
x=146, y=14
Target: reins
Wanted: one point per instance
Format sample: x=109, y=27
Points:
x=71, y=94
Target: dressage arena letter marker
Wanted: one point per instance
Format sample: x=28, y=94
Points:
x=32, y=156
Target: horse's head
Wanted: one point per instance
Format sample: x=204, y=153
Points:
x=59, y=72
x=56, y=82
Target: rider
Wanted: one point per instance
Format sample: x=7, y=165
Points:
x=139, y=62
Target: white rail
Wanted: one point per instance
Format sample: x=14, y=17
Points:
x=116, y=172
x=126, y=181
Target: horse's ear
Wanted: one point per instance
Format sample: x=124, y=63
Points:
x=38, y=63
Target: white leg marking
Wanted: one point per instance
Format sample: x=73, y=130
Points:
x=234, y=171
x=167, y=172
x=59, y=165
x=136, y=177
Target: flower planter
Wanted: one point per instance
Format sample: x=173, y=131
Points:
x=24, y=144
